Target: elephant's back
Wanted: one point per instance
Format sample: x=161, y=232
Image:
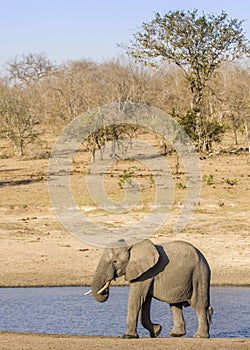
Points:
x=182, y=261
x=185, y=250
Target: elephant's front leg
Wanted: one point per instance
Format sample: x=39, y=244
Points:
x=179, y=328
x=134, y=307
x=154, y=329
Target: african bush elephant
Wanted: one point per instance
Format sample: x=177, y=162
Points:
x=174, y=272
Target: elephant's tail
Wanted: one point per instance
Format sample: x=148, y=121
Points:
x=210, y=312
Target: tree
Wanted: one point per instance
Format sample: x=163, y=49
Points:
x=30, y=68
x=197, y=44
x=73, y=90
x=236, y=100
x=123, y=81
x=17, y=118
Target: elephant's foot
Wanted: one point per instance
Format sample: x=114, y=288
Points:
x=177, y=332
x=156, y=331
x=130, y=336
x=201, y=335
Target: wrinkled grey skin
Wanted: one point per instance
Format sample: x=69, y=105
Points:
x=174, y=272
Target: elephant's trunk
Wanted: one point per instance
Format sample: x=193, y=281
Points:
x=100, y=289
x=105, y=272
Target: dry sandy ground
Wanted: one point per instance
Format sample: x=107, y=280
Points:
x=35, y=250
x=17, y=341
x=57, y=258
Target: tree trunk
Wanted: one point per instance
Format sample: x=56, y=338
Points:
x=247, y=136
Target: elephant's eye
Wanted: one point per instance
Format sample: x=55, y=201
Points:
x=114, y=261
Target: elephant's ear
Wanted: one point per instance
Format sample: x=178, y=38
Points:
x=143, y=256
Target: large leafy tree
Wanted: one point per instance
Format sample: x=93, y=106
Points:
x=198, y=44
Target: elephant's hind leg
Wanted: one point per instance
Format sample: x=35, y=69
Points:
x=201, y=308
x=203, y=326
x=154, y=329
x=179, y=328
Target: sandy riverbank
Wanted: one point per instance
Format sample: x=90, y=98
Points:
x=17, y=341
x=30, y=257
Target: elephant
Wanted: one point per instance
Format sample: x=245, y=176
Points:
x=174, y=272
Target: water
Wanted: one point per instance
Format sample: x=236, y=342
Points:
x=65, y=310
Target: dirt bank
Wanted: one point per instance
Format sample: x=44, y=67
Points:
x=29, y=258
x=17, y=341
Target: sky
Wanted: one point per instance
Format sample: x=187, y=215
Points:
x=89, y=29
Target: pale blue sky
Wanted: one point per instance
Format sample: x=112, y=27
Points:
x=75, y=29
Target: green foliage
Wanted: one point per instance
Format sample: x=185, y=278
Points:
x=189, y=124
x=125, y=178
x=180, y=186
x=231, y=182
x=211, y=130
x=208, y=179
x=197, y=44
x=151, y=180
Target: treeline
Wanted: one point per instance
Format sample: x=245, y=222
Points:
x=38, y=98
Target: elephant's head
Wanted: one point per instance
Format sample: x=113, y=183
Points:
x=131, y=261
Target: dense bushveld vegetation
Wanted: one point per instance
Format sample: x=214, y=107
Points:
x=37, y=102
x=201, y=82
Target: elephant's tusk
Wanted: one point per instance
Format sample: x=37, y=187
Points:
x=105, y=287
x=89, y=292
